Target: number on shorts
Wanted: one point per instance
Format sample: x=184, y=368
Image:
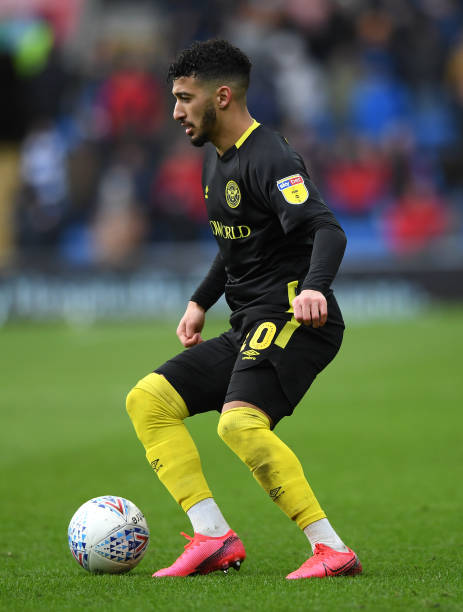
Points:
x=260, y=342
x=263, y=337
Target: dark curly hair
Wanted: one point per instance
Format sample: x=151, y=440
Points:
x=212, y=60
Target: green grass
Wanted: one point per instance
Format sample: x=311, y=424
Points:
x=379, y=436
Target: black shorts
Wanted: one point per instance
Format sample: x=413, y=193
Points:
x=271, y=367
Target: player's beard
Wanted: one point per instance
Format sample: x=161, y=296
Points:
x=206, y=127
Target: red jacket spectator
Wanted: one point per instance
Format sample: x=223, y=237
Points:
x=416, y=218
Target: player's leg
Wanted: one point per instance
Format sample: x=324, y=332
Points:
x=157, y=412
x=255, y=401
x=246, y=428
x=194, y=381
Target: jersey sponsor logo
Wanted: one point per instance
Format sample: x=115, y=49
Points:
x=293, y=189
x=229, y=232
x=232, y=194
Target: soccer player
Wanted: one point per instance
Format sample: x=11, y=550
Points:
x=279, y=250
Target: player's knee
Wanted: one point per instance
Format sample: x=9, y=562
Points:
x=131, y=401
x=227, y=426
x=154, y=403
x=139, y=408
x=147, y=411
x=236, y=422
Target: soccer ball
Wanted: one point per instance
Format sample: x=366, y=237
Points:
x=108, y=534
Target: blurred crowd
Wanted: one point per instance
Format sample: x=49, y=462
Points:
x=93, y=169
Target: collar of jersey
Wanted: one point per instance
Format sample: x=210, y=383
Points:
x=246, y=134
x=255, y=124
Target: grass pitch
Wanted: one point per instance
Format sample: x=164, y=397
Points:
x=379, y=436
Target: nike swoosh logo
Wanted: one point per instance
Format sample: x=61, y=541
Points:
x=340, y=570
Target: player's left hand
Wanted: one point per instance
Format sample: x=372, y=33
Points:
x=310, y=308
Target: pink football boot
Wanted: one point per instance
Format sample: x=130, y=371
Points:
x=328, y=562
x=204, y=554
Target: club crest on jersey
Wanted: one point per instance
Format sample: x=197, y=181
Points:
x=232, y=194
x=293, y=189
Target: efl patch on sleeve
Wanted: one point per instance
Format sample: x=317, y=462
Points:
x=293, y=189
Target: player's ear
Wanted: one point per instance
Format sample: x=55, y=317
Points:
x=223, y=96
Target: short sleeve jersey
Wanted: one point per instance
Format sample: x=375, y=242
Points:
x=263, y=211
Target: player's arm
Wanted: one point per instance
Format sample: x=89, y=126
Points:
x=310, y=305
x=292, y=195
x=191, y=324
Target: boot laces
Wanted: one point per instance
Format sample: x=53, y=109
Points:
x=189, y=538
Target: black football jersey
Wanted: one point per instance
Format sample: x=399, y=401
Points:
x=263, y=211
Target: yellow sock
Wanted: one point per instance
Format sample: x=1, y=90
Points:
x=157, y=412
x=275, y=467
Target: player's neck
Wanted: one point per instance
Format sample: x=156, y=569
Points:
x=231, y=129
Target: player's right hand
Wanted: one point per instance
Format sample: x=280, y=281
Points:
x=191, y=324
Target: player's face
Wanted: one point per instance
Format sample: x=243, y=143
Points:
x=194, y=109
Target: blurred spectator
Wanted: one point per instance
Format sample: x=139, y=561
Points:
x=417, y=46
x=296, y=73
x=118, y=226
x=358, y=178
x=43, y=197
x=177, y=196
x=416, y=219
x=84, y=174
x=12, y=112
x=371, y=93
x=131, y=99
x=433, y=122
x=379, y=105
x=454, y=71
